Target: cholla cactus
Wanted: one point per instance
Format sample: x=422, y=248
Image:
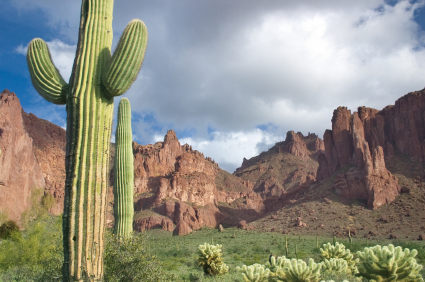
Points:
x=209, y=257
x=332, y=281
x=335, y=265
x=389, y=263
x=298, y=271
x=338, y=251
x=274, y=264
x=254, y=273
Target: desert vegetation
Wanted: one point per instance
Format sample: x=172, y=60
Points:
x=238, y=255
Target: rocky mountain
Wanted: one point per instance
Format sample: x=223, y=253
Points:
x=362, y=142
x=370, y=158
x=176, y=187
x=285, y=167
x=20, y=171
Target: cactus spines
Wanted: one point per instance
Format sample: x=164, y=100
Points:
x=338, y=251
x=254, y=273
x=127, y=59
x=299, y=271
x=274, y=265
x=210, y=258
x=89, y=104
x=389, y=263
x=123, y=171
x=335, y=265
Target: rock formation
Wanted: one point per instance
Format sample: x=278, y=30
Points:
x=359, y=143
x=20, y=172
x=49, y=149
x=283, y=167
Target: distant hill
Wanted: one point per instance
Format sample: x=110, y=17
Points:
x=367, y=175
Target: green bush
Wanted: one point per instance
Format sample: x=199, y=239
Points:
x=210, y=258
x=7, y=228
x=128, y=259
x=33, y=255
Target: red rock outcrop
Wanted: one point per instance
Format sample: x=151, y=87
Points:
x=49, y=149
x=283, y=167
x=295, y=145
x=364, y=140
x=20, y=172
x=153, y=222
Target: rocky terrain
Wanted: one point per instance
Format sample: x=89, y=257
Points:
x=366, y=175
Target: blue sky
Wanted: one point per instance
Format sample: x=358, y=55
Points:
x=232, y=77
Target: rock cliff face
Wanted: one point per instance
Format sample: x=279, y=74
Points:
x=20, y=172
x=32, y=154
x=173, y=171
x=49, y=149
x=169, y=175
x=283, y=167
x=361, y=142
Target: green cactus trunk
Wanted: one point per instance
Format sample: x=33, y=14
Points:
x=96, y=78
x=123, y=172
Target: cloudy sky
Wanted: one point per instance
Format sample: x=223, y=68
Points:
x=232, y=77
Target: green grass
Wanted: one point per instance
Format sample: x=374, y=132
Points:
x=248, y=247
x=37, y=252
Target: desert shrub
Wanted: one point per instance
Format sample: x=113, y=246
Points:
x=3, y=216
x=128, y=259
x=33, y=255
x=389, y=263
x=210, y=258
x=47, y=201
x=7, y=228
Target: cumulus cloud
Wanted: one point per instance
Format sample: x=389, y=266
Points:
x=62, y=56
x=232, y=66
x=229, y=148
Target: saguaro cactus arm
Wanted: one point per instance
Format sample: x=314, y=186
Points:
x=44, y=75
x=123, y=172
x=127, y=59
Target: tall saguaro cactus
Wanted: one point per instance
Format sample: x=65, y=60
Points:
x=123, y=171
x=97, y=77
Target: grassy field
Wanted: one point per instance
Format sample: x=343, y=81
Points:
x=240, y=247
x=38, y=249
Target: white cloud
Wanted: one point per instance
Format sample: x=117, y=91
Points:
x=62, y=56
x=229, y=148
x=235, y=65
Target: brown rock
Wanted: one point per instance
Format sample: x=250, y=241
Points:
x=421, y=237
x=182, y=229
x=405, y=189
x=242, y=224
x=153, y=222
x=20, y=172
x=368, y=179
x=295, y=145
x=49, y=148
x=393, y=236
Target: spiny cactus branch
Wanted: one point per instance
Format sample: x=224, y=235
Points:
x=44, y=75
x=124, y=172
x=127, y=59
